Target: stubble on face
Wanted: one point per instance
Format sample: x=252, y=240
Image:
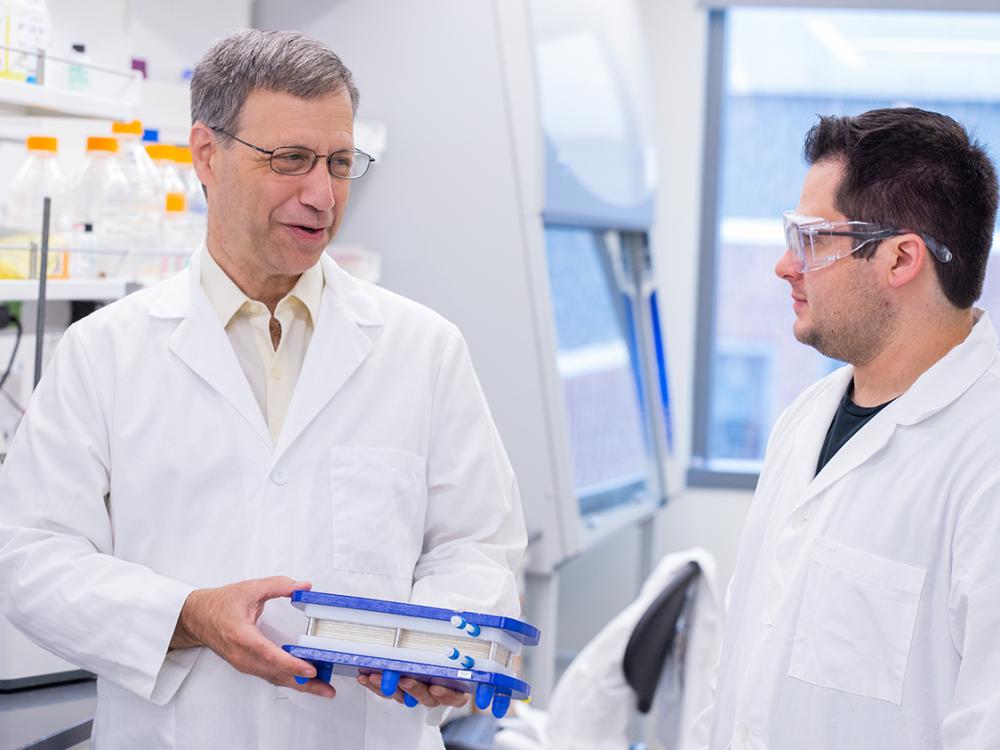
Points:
x=856, y=323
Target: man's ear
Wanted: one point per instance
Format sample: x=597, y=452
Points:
x=907, y=258
x=203, y=148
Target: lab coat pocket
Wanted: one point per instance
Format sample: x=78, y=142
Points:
x=856, y=622
x=379, y=497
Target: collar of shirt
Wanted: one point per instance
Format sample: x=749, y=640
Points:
x=228, y=299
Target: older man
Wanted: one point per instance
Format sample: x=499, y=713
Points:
x=865, y=605
x=258, y=416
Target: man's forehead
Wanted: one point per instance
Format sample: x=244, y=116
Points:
x=281, y=111
x=819, y=190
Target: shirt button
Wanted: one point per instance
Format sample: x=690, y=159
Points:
x=279, y=477
x=276, y=373
x=744, y=731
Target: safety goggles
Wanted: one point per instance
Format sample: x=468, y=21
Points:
x=813, y=240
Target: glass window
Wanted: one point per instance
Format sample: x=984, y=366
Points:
x=783, y=67
x=596, y=364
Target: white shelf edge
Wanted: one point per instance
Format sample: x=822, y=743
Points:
x=19, y=98
x=58, y=290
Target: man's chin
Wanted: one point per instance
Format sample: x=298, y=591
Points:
x=805, y=334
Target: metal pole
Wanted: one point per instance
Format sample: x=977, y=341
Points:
x=43, y=276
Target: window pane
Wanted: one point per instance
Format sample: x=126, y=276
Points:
x=783, y=68
x=595, y=361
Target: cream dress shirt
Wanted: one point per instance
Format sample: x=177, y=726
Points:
x=272, y=373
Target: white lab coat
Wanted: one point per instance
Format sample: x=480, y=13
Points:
x=144, y=469
x=865, y=608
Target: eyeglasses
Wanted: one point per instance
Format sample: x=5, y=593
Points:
x=298, y=160
x=805, y=237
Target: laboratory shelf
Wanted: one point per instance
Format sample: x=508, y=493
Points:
x=18, y=98
x=97, y=290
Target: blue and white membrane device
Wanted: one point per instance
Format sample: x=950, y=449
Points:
x=465, y=651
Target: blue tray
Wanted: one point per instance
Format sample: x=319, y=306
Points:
x=489, y=687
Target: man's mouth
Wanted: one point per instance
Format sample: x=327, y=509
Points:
x=309, y=230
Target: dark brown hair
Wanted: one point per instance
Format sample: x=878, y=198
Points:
x=919, y=171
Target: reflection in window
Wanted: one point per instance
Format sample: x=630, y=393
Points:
x=595, y=362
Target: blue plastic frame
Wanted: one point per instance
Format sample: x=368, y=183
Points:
x=489, y=688
x=518, y=630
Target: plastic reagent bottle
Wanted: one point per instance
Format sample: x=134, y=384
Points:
x=39, y=177
x=101, y=209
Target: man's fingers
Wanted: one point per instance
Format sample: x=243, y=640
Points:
x=374, y=683
x=313, y=687
x=273, y=660
x=427, y=695
x=448, y=697
x=277, y=586
x=419, y=691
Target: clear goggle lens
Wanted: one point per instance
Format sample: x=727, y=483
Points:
x=816, y=242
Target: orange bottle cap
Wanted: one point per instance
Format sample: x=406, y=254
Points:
x=43, y=143
x=176, y=202
x=102, y=143
x=158, y=151
x=127, y=128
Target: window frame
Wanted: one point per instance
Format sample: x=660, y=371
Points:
x=700, y=473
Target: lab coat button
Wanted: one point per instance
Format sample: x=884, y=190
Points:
x=279, y=477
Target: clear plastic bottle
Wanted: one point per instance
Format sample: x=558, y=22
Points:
x=197, y=206
x=176, y=235
x=145, y=185
x=78, y=72
x=10, y=18
x=26, y=27
x=39, y=177
x=162, y=155
x=101, y=198
x=172, y=251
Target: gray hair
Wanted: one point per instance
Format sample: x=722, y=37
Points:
x=289, y=62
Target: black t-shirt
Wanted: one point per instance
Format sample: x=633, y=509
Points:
x=846, y=422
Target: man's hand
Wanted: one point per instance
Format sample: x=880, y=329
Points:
x=431, y=696
x=225, y=620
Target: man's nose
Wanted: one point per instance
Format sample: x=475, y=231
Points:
x=788, y=266
x=317, y=188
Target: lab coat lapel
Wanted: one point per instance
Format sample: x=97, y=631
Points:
x=935, y=389
x=201, y=343
x=337, y=348
x=868, y=441
x=811, y=431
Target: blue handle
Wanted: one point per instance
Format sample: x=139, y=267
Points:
x=484, y=695
x=390, y=681
x=500, y=705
